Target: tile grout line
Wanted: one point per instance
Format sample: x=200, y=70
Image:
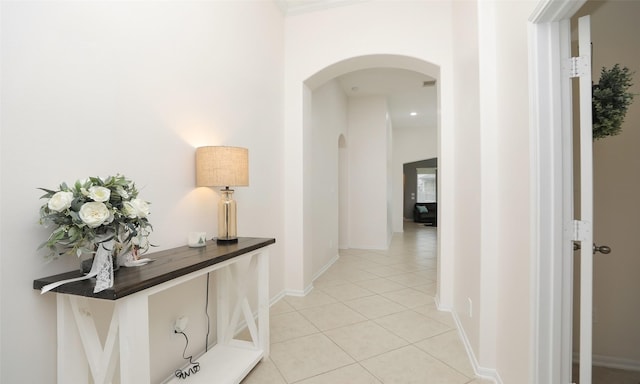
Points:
x=351, y=259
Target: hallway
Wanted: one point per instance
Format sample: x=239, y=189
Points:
x=371, y=318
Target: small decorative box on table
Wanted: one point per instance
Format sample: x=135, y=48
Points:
x=229, y=361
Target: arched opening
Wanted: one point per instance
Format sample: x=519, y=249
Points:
x=352, y=193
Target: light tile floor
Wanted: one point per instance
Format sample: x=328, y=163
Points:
x=370, y=319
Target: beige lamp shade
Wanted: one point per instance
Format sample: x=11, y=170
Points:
x=219, y=166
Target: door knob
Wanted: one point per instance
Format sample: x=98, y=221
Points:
x=602, y=249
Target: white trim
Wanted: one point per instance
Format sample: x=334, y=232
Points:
x=546, y=196
x=440, y=306
x=481, y=372
x=326, y=267
x=549, y=207
x=548, y=11
x=277, y=298
x=565, y=328
x=299, y=293
x=309, y=288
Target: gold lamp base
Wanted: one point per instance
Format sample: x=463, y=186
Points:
x=227, y=220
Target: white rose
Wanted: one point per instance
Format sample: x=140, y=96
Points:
x=99, y=194
x=94, y=214
x=136, y=208
x=129, y=210
x=60, y=201
x=122, y=192
x=109, y=219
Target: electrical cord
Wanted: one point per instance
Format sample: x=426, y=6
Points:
x=193, y=367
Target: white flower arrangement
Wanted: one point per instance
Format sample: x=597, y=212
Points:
x=95, y=211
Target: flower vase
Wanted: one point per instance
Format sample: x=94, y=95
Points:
x=85, y=265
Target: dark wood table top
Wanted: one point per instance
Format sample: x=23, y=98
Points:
x=167, y=265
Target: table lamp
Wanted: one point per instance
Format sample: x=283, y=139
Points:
x=219, y=166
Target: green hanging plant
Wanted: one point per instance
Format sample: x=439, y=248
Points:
x=611, y=99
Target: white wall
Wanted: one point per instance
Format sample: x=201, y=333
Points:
x=467, y=171
x=95, y=88
x=493, y=269
x=329, y=115
x=368, y=179
x=388, y=176
x=343, y=193
x=171, y=76
x=508, y=208
x=483, y=157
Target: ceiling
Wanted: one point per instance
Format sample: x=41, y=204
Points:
x=406, y=92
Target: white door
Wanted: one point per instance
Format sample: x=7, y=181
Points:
x=583, y=226
x=586, y=201
x=558, y=228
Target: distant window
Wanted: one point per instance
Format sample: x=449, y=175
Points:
x=427, y=186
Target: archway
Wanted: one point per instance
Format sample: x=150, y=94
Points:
x=313, y=246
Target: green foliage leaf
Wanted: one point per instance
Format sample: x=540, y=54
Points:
x=48, y=193
x=610, y=101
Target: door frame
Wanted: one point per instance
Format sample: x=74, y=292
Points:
x=551, y=191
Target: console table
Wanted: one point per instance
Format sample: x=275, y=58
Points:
x=81, y=352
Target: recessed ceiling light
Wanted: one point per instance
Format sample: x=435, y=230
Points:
x=413, y=113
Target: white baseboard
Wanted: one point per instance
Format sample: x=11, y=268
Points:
x=440, y=306
x=299, y=293
x=308, y=288
x=611, y=362
x=289, y=292
x=326, y=266
x=277, y=298
x=485, y=373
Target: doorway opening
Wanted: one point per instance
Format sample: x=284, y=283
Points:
x=366, y=207
x=615, y=334
x=421, y=191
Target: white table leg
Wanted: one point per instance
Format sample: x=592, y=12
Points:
x=72, y=363
x=133, y=312
x=263, y=301
x=101, y=359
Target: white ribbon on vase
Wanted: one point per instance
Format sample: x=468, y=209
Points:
x=102, y=266
x=101, y=269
